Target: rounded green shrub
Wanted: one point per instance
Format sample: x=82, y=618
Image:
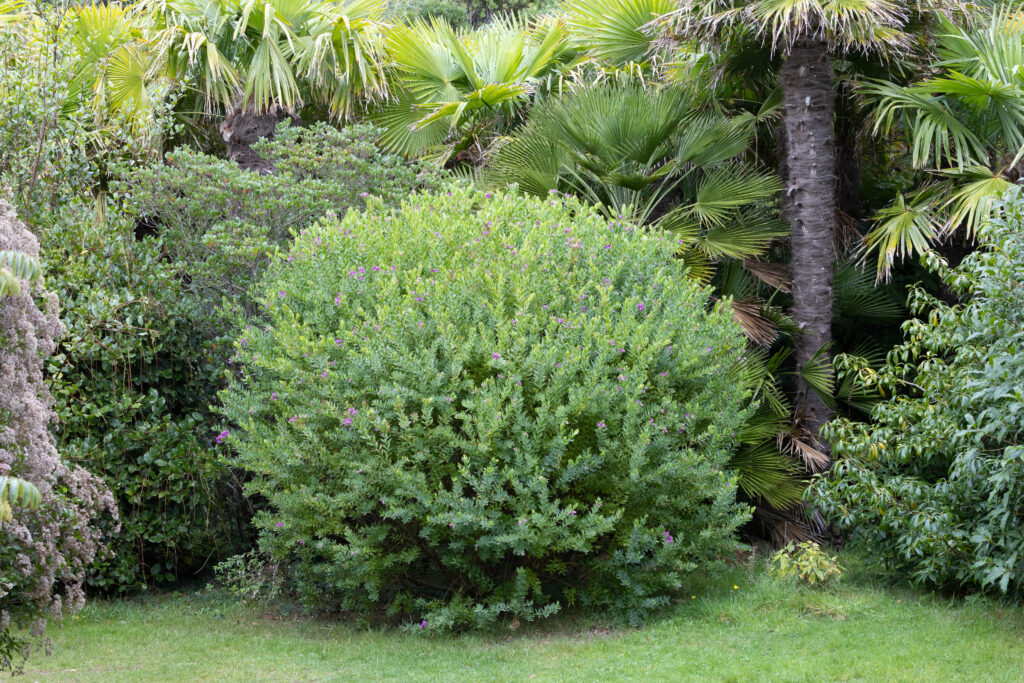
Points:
x=477, y=406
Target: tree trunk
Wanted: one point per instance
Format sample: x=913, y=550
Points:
x=243, y=127
x=810, y=185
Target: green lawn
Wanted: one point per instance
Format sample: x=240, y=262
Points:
x=764, y=629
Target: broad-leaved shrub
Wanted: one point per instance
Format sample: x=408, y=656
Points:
x=933, y=487
x=479, y=406
x=146, y=349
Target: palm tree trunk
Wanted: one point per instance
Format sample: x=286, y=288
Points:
x=810, y=183
x=243, y=127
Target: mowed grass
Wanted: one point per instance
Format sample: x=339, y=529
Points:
x=765, y=629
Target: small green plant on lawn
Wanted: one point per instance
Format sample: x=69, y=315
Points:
x=251, y=577
x=807, y=562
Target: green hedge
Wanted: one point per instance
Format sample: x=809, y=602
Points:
x=480, y=406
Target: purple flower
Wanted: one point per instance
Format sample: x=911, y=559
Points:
x=668, y=537
x=352, y=411
x=222, y=437
x=602, y=425
x=273, y=396
x=347, y=421
x=640, y=307
x=282, y=293
x=496, y=355
x=488, y=195
x=423, y=624
x=280, y=524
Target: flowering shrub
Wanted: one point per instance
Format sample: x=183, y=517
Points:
x=482, y=406
x=934, y=486
x=44, y=550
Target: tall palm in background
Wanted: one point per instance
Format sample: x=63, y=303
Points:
x=660, y=157
x=664, y=157
x=964, y=132
x=257, y=61
x=805, y=33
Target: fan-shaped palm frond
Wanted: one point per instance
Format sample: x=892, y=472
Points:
x=11, y=10
x=612, y=32
x=858, y=298
x=964, y=127
x=465, y=88
x=767, y=475
x=902, y=229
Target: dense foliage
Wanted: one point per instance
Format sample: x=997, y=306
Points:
x=45, y=548
x=934, y=485
x=146, y=347
x=484, y=405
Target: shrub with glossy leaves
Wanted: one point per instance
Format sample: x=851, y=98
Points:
x=480, y=406
x=934, y=486
x=145, y=352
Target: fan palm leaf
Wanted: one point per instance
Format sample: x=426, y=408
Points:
x=471, y=85
x=964, y=127
x=613, y=32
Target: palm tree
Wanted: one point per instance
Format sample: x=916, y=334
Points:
x=456, y=90
x=259, y=60
x=656, y=156
x=805, y=33
x=964, y=130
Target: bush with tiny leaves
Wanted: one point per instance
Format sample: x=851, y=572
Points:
x=480, y=407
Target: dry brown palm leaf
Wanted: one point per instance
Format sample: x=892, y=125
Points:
x=791, y=524
x=758, y=328
x=800, y=442
x=846, y=239
x=814, y=459
x=775, y=275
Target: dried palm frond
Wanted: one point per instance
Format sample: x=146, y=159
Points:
x=758, y=328
x=775, y=275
